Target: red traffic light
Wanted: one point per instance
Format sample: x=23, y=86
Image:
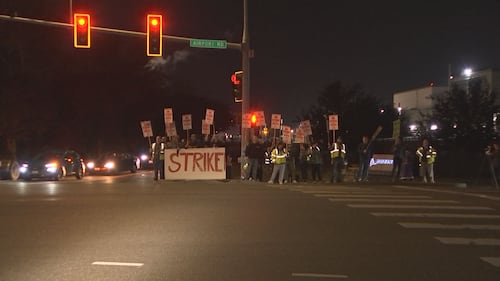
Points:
x=81, y=28
x=235, y=79
x=154, y=33
x=253, y=119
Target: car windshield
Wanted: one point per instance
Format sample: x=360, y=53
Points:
x=48, y=155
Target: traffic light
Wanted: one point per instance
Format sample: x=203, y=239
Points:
x=237, y=81
x=81, y=27
x=253, y=119
x=154, y=46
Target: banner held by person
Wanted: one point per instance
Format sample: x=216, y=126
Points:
x=195, y=164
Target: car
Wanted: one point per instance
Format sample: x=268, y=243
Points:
x=113, y=163
x=53, y=164
x=9, y=166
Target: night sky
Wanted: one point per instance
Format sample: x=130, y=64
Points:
x=300, y=46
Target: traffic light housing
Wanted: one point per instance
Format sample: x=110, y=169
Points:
x=154, y=33
x=81, y=27
x=237, y=81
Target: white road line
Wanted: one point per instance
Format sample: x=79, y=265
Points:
x=347, y=191
x=380, y=206
x=327, y=194
x=436, y=215
x=380, y=196
x=392, y=200
x=495, y=261
x=118, y=263
x=496, y=198
x=449, y=226
x=316, y=275
x=469, y=241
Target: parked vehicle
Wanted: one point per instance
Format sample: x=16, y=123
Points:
x=9, y=167
x=53, y=164
x=113, y=163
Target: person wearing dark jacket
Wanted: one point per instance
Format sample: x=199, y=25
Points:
x=365, y=155
x=255, y=153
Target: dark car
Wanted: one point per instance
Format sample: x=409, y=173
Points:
x=113, y=163
x=54, y=165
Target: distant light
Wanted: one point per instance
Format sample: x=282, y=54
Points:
x=455, y=126
x=468, y=72
x=431, y=84
x=382, y=110
x=451, y=77
x=413, y=127
x=400, y=109
x=434, y=127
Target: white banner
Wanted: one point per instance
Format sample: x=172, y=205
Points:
x=246, y=122
x=195, y=164
x=209, y=116
x=299, y=136
x=168, y=115
x=205, y=128
x=261, y=119
x=171, y=130
x=333, y=122
x=187, y=124
x=147, y=129
x=287, y=134
x=306, y=127
x=276, y=121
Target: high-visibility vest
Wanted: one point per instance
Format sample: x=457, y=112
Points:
x=161, y=153
x=430, y=155
x=338, y=151
x=279, y=156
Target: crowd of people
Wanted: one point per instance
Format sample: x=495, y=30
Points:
x=274, y=161
x=279, y=162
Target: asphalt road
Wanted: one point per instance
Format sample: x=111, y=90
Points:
x=129, y=228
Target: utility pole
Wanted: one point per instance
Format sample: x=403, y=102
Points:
x=245, y=62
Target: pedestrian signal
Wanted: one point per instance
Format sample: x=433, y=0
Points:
x=237, y=81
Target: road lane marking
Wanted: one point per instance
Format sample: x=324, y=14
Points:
x=468, y=241
x=133, y=264
x=316, y=275
x=392, y=200
x=436, y=215
x=420, y=207
x=326, y=194
x=448, y=192
x=380, y=196
x=495, y=261
x=449, y=226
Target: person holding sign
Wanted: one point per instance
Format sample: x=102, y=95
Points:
x=158, y=155
x=278, y=156
x=365, y=155
x=337, y=154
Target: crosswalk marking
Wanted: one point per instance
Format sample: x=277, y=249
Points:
x=333, y=194
x=449, y=226
x=469, y=241
x=379, y=196
x=495, y=261
x=380, y=206
x=392, y=200
x=436, y=215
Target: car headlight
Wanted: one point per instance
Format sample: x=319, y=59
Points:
x=144, y=157
x=109, y=165
x=51, y=167
x=90, y=165
x=23, y=169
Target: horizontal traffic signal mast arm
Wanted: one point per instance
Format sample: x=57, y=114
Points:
x=171, y=38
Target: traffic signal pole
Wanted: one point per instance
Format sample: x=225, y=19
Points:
x=245, y=63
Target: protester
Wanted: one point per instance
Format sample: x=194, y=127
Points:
x=337, y=155
x=315, y=161
x=365, y=155
x=426, y=158
x=397, y=158
x=278, y=155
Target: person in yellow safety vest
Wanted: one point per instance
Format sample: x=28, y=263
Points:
x=426, y=157
x=337, y=155
x=158, y=155
x=278, y=156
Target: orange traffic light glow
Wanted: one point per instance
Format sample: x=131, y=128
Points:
x=254, y=119
x=81, y=29
x=154, y=34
